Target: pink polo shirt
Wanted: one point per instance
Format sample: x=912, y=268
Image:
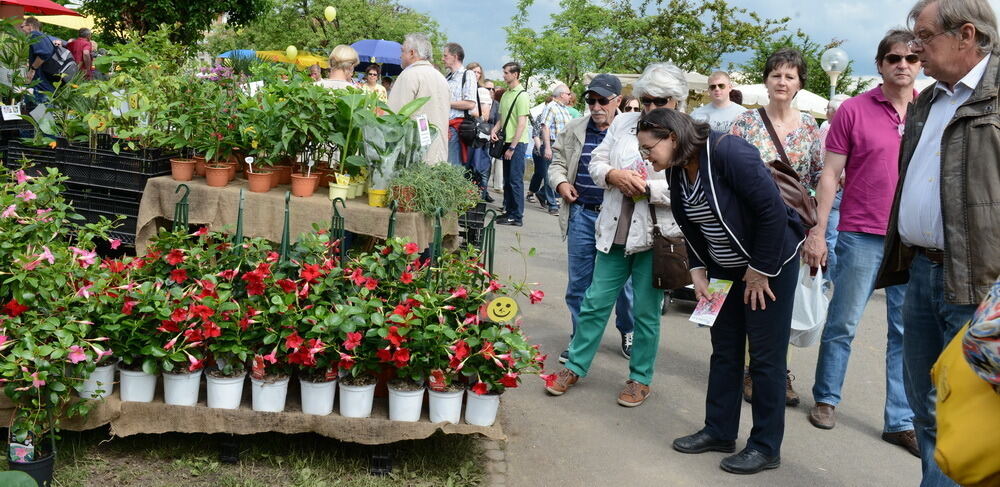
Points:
x=867, y=130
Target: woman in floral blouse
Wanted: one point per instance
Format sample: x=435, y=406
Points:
x=784, y=76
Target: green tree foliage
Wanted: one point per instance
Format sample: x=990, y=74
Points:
x=817, y=80
x=617, y=36
x=115, y=18
x=301, y=23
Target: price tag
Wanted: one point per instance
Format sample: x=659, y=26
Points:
x=11, y=112
x=424, y=127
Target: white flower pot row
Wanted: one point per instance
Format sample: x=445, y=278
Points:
x=317, y=397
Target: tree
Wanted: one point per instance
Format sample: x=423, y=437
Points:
x=116, y=18
x=616, y=36
x=301, y=24
x=817, y=81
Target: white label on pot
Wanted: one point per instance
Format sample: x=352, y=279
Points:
x=11, y=112
x=424, y=127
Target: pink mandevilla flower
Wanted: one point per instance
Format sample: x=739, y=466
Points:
x=76, y=354
x=36, y=382
x=86, y=257
x=10, y=212
x=115, y=243
x=27, y=195
x=84, y=292
x=21, y=176
x=536, y=296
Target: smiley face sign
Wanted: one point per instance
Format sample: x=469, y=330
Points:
x=502, y=309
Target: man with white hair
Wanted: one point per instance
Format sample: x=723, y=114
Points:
x=721, y=112
x=419, y=79
x=553, y=122
x=462, y=90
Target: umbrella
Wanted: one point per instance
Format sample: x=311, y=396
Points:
x=238, y=53
x=68, y=21
x=302, y=60
x=377, y=51
x=42, y=7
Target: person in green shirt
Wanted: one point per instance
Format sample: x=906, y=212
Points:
x=514, y=116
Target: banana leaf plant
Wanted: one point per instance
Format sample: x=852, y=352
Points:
x=355, y=111
x=392, y=142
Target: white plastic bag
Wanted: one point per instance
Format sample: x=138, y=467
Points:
x=809, y=311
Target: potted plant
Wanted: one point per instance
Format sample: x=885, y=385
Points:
x=429, y=187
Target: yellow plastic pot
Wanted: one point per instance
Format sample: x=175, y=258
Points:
x=378, y=198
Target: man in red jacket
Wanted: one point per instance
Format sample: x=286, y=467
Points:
x=82, y=48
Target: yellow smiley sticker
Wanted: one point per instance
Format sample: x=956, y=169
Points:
x=502, y=309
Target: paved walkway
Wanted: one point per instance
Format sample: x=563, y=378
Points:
x=585, y=438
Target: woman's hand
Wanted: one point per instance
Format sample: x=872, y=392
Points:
x=629, y=182
x=756, y=288
x=814, y=251
x=699, y=277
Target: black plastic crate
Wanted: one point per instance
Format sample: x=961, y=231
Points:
x=94, y=202
x=127, y=170
x=11, y=130
x=472, y=223
x=38, y=157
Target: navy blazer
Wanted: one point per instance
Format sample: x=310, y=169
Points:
x=744, y=197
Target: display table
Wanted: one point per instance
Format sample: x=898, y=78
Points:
x=264, y=213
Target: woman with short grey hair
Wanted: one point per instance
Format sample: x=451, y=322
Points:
x=659, y=84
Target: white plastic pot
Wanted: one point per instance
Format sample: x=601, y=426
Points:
x=446, y=406
x=481, y=410
x=317, y=397
x=356, y=401
x=137, y=386
x=101, y=379
x=181, y=389
x=225, y=392
x=269, y=396
x=405, y=405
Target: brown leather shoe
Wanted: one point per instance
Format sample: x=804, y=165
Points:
x=747, y=385
x=906, y=439
x=791, y=397
x=822, y=416
x=633, y=394
x=564, y=380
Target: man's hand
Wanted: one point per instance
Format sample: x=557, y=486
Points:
x=548, y=152
x=815, y=251
x=567, y=191
x=509, y=154
x=629, y=182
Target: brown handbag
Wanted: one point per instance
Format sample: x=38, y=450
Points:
x=795, y=195
x=670, y=260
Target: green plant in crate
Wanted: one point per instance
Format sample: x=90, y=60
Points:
x=436, y=186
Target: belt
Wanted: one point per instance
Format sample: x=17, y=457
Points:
x=934, y=255
x=590, y=207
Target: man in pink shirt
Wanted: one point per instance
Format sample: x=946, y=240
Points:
x=82, y=49
x=864, y=142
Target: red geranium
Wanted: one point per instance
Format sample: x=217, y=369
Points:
x=175, y=256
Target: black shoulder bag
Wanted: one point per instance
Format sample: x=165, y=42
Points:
x=473, y=131
x=498, y=148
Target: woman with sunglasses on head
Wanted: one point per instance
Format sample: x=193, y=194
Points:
x=629, y=104
x=372, y=82
x=624, y=239
x=737, y=228
x=784, y=76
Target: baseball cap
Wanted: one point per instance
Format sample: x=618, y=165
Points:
x=606, y=85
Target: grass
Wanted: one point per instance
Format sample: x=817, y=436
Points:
x=92, y=458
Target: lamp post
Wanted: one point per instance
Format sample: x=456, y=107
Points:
x=834, y=61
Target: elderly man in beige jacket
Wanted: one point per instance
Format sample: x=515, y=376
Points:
x=419, y=79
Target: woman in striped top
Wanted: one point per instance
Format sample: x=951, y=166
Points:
x=737, y=228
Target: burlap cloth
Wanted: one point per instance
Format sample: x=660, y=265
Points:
x=132, y=418
x=264, y=213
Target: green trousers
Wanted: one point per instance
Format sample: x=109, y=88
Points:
x=611, y=270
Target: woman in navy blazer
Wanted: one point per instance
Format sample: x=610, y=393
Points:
x=737, y=228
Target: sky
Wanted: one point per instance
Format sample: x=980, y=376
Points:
x=478, y=25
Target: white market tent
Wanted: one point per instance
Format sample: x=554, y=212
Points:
x=805, y=100
x=696, y=81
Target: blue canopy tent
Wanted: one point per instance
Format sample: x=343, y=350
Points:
x=239, y=53
x=387, y=54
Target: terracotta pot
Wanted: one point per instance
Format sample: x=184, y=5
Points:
x=217, y=175
x=199, y=167
x=324, y=178
x=284, y=174
x=232, y=165
x=275, y=177
x=302, y=185
x=404, y=197
x=182, y=169
x=259, y=182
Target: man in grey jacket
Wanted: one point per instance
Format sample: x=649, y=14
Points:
x=578, y=216
x=943, y=233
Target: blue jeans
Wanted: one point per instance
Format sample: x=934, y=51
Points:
x=454, y=147
x=480, y=164
x=930, y=324
x=540, y=183
x=860, y=257
x=513, y=183
x=581, y=251
x=831, y=236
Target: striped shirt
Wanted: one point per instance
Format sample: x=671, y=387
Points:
x=555, y=117
x=589, y=193
x=697, y=210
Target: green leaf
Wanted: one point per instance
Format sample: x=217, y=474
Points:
x=149, y=366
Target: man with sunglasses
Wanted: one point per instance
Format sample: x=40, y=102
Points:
x=721, y=112
x=863, y=142
x=578, y=216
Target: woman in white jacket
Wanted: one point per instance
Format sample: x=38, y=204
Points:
x=624, y=238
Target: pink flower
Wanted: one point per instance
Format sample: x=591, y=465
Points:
x=494, y=286
x=536, y=296
x=102, y=353
x=21, y=176
x=10, y=212
x=76, y=354
x=195, y=363
x=459, y=293
x=86, y=257
x=47, y=255
x=84, y=292
x=27, y=195
x=43, y=211
x=3, y=339
x=115, y=243
x=36, y=382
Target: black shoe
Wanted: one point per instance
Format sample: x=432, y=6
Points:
x=627, y=345
x=554, y=211
x=564, y=356
x=749, y=461
x=487, y=198
x=702, y=442
x=512, y=222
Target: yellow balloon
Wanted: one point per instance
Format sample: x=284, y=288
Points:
x=291, y=53
x=330, y=13
x=502, y=309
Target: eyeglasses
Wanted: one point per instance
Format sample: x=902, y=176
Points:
x=372, y=74
x=603, y=101
x=923, y=39
x=895, y=58
x=644, y=151
x=720, y=86
x=659, y=102
x=491, y=89
x=630, y=109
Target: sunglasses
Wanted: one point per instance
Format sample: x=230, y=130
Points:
x=720, y=86
x=603, y=101
x=630, y=109
x=372, y=74
x=645, y=125
x=659, y=102
x=895, y=58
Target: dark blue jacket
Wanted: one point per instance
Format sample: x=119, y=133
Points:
x=745, y=198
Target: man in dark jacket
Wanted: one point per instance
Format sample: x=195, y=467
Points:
x=40, y=51
x=943, y=233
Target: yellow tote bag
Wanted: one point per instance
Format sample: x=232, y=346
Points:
x=968, y=420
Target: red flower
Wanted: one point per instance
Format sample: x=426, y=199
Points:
x=494, y=286
x=170, y=344
x=488, y=351
x=115, y=266
x=480, y=388
x=194, y=335
x=387, y=250
x=176, y=256
x=384, y=355
x=201, y=231
x=227, y=274
x=180, y=314
x=14, y=309
x=410, y=248
x=461, y=349
x=168, y=326
x=394, y=337
x=536, y=296
x=310, y=272
x=293, y=341
x=202, y=311
x=211, y=330
x=353, y=340
x=357, y=277
x=550, y=379
x=509, y=380
x=346, y=361
x=128, y=305
x=371, y=284
x=401, y=357
x=286, y=285
x=459, y=293
x=406, y=278
x=178, y=275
